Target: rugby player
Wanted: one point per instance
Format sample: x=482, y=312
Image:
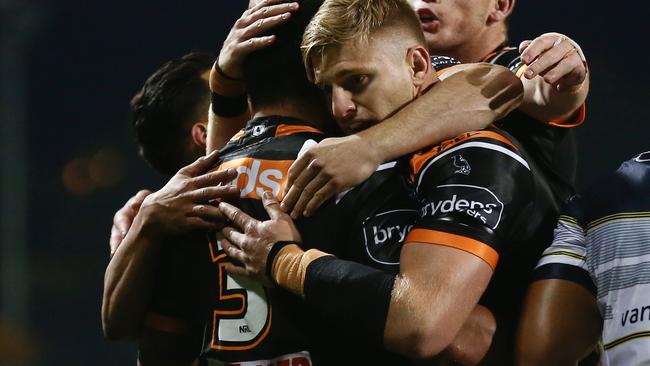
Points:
x=552, y=68
x=462, y=219
x=222, y=340
x=220, y=346
x=591, y=285
x=170, y=121
x=169, y=118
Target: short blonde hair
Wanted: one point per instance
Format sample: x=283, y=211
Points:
x=339, y=21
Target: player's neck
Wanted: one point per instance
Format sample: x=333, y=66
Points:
x=313, y=115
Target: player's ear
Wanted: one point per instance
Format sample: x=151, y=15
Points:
x=420, y=63
x=501, y=10
x=199, y=134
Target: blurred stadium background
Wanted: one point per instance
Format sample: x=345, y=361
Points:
x=67, y=71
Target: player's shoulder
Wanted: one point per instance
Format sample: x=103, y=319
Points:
x=486, y=145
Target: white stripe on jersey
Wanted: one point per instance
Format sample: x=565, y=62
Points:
x=484, y=145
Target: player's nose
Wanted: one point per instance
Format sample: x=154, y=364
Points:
x=343, y=107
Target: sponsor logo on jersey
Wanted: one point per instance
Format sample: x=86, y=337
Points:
x=477, y=202
x=385, y=232
x=634, y=315
x=462, y=165
x=255, y=176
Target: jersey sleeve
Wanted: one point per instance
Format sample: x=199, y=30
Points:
x=472, y=192
x=566, y=258
x=510, y=58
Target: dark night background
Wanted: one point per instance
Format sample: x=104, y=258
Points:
x=67, y=71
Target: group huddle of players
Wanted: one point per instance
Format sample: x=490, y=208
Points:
x=362, y=202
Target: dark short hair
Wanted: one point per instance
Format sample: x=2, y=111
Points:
x=276, y=74
x=171, y=100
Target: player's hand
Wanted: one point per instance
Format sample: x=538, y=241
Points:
x=557, y=58
x=331, y=167
x=249, y=34
x=124, y=218
x=249, y=242
x=184, y=203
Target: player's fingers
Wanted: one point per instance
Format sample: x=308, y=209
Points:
x=308, y=192
x=233, y=252
x=254, y=44
x=214, y=178
x=323, y=194
x=523, y=45
x=296, y=169
x=572, y=80
x=537, y=47
x=272, y=206
x=263, y=26
x=116, y=239
x=299, y=185
x=234, y=269
x=548, y=59
x=262, y=4
x=209, y=213
x=272, y=11
x=211, y=193
x=201, y=165
x=236, y=216
x=234, y=236
x=562, y=69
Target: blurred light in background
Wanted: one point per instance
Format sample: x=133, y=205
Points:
x=84, y=175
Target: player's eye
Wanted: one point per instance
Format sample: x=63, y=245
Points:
x=356, y=83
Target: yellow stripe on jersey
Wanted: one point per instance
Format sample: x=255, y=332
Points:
x=627, y=338
x=618, y=217
x=565, y=253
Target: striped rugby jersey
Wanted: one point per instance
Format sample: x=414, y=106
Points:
x=602, y=242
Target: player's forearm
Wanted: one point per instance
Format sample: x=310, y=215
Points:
x=228, y=110
x=128, y=282
x=468, y=100
x=544, y=102
x=342, y=291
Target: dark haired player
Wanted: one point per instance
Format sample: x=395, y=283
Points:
x=169, y=116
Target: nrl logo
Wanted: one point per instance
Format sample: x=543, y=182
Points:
x=462, y=165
